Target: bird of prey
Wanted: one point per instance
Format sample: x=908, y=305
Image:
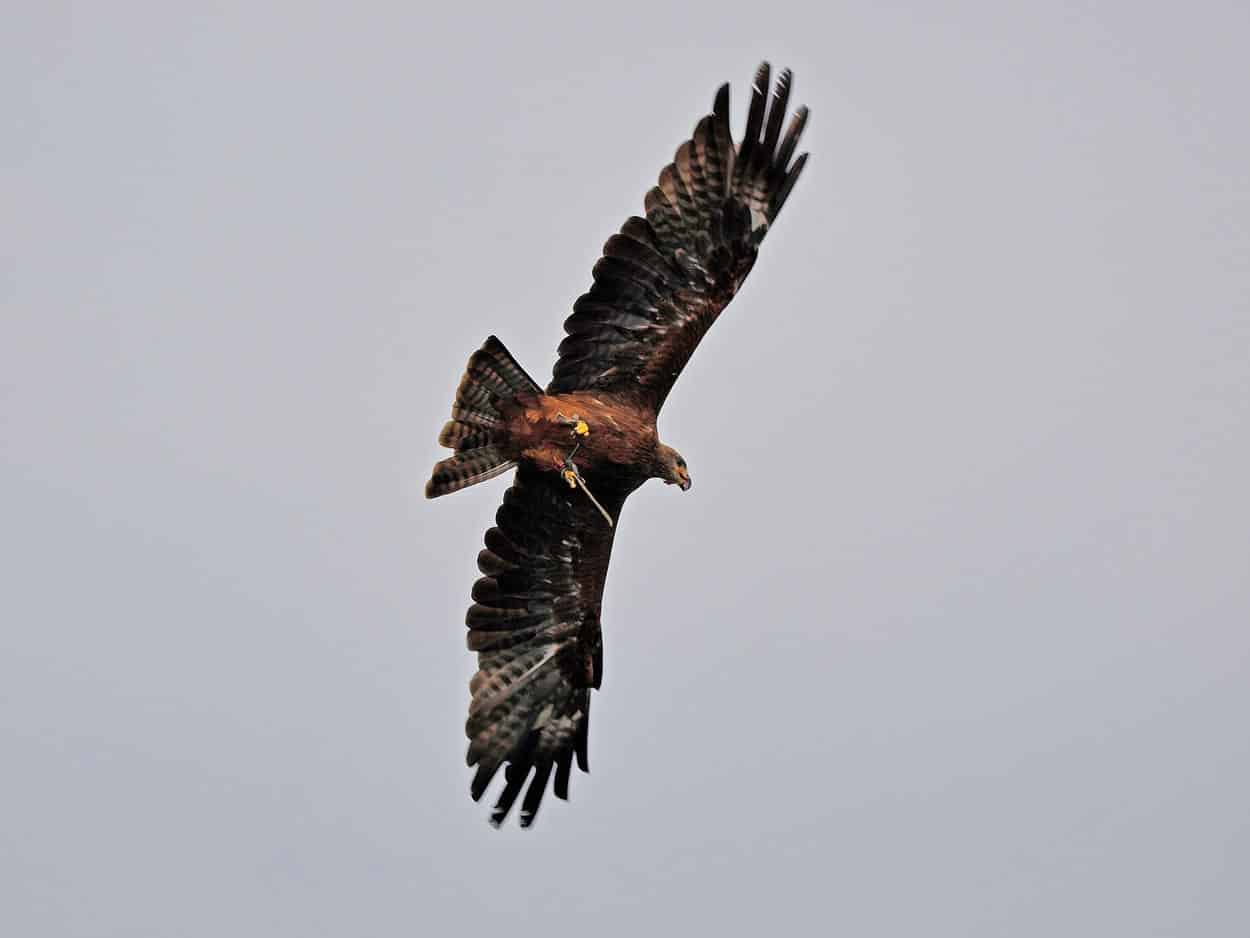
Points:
x=585, y=443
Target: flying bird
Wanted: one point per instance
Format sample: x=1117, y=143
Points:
x=585, y=443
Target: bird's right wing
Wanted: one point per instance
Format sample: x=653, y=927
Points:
x=664, y=279
x=535, y=626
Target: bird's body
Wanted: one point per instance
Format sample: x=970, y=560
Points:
x=545, y=432
x=661, y=283
x=624, y=442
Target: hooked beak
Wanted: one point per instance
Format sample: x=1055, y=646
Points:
x=685, y=484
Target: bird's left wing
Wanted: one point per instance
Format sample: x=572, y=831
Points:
x=664, y=279
x=535, y=626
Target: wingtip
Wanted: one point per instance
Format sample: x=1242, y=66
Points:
x=761, y=84
x=720, y=108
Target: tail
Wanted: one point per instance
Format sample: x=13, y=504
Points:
x=478, y=431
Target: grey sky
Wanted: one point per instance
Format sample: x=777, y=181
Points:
x=949, y=638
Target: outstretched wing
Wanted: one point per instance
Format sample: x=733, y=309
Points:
x=664, y=279
x=535, y=627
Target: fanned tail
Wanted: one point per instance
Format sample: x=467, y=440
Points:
x=478, y=430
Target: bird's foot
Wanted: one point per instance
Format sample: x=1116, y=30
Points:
x=576, y=423
x=573, y=477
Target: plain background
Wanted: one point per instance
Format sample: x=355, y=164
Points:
x=950, y=636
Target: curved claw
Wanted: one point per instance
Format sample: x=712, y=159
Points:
x=576, y=423
x=575, y=480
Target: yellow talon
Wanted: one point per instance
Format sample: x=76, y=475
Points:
x=570, y=477
x=581, y=428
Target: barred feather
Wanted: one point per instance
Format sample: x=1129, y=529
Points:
x=465, y=469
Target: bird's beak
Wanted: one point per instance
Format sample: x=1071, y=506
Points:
x=685, y=484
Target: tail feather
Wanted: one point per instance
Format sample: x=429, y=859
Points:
x=464, y=469
x=459, y=435
x=478, y=429
x=494, y=365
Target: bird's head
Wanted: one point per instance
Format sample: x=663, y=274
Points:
x=671, y=467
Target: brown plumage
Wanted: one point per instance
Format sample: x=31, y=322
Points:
x=661, y=283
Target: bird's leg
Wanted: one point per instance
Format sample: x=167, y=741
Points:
x=574, y=478
x=568, y=469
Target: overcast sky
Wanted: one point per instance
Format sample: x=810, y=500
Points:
x=951, y=636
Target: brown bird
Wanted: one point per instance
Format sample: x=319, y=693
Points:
x=583, y=445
